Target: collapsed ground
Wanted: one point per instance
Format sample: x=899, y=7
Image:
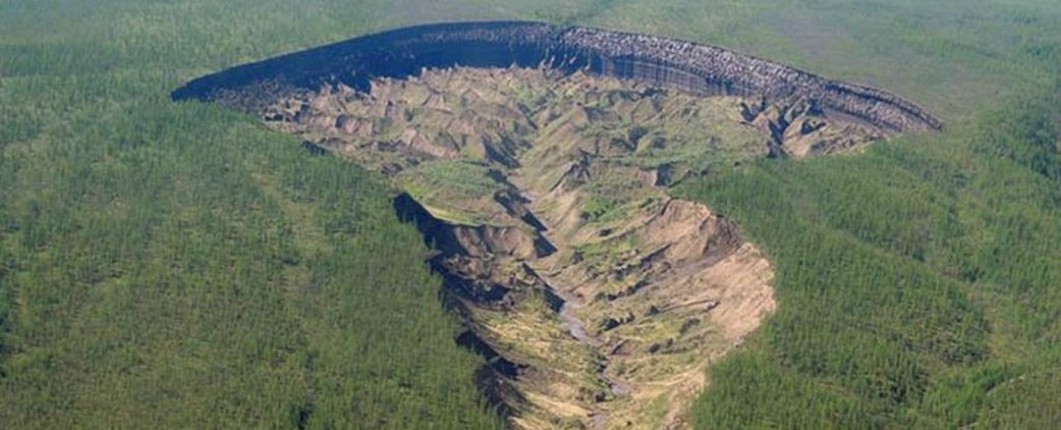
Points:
x=598, y=299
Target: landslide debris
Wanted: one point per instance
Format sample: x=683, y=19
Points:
x=597, y=299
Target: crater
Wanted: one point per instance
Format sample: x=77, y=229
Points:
x=536, y=161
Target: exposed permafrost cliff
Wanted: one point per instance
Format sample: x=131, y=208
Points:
x=692, y=67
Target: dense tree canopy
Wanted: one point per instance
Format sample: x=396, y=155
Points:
x=177, y=266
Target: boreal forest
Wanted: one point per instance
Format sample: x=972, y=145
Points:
x=177, y=264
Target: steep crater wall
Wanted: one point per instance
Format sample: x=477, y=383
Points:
x=687, y=66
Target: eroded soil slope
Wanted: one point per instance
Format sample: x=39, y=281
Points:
x=598, y=299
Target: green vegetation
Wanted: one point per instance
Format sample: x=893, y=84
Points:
x=214, y=276
x=175, y=265
x=454, y=190
x=469, y=180
x=917, y=283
